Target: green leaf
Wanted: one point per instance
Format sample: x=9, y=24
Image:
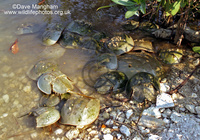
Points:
x=137, y=1
x=106, y=6
x=143, y=6
x=131, y=11
x=196, y=49
x=176, y=7
x=124, y=2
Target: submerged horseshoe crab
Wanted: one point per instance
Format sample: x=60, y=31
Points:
x=80, y=111
x=41, y=67
x=114, y=81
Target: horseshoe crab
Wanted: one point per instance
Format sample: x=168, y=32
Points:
x=98, y=66
x=27, y=28
x=134, y=62
x=80, y=111
x=49, y=100
x=52, y=34
x=80, y=34
x=143, y=86
x=171, y=56
x=121, y=44
x=41, y=67
x=114, y=81
x=46, y=116
x=54, y=81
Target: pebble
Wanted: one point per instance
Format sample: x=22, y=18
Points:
x=125, y=130
x=151, y=122
x=191, y=108
x=27, y=89
x=197, y=108
x=6, y=98
x=129, y=113
x=120, y=117
x=152, y=111
x=58, y=131
x=71, y=134
x=108, y=137
x=154, y=137
x=34, y=135
x=164, y=101
x=113, y=114
x=194, y=95
x=164, y=87
x=109, y=122
x=175, y=117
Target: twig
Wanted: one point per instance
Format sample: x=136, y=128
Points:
x=184, y=82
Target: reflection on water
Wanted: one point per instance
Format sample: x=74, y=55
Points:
x=18, y=93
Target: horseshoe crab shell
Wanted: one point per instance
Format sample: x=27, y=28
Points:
x=46, y=116
x=134, y=62
x=114, y=81
x=41, y=67
x=80, y=111
x=121, y=44
x=52, y=34
x=54, y=81
x=143, y=86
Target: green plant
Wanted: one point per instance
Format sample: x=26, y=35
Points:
x=196, y=49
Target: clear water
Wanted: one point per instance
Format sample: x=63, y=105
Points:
x=18, y=93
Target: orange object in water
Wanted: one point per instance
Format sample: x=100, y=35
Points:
x=40, y=3
x=14, y=48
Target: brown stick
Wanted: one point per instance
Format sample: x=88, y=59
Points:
x=184, y=82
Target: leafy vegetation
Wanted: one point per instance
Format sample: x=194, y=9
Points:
x=162, y=12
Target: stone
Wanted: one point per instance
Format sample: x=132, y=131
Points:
x=152, y=111
x=164, y=101
x=108, y=137
x=191, y=108
x=197, y=108
x=125, y=130
x=154, y=137
x=58, y=131
x=151, y=122
x=109, y=122
x=129, y=113
x=6, y=98
x=72, y=134
x=164, y=87
x=175, y=117
x=27, y=89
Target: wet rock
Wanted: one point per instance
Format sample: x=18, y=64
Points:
x=151, y=122
x=164, y=101
x=58, y=131
x=125, y=130
x=191, y=108
x=6, y=98
x=71, y=134
x=27, y=89
x=152, y=111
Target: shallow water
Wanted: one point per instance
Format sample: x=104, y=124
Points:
x=18, y=93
